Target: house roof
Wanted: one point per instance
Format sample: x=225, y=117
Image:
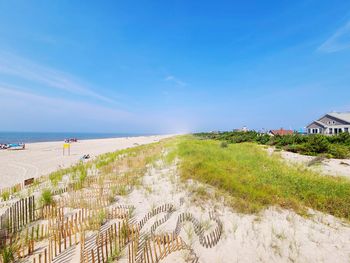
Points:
x=344, y=116
x=282, y=132
x=318, y=123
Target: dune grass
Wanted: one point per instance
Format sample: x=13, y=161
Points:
x=256, y=180
x=138, y=157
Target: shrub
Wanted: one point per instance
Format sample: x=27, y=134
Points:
x=342, y=138
x=296, y=148
x=263, y=139
x=317, y=144
x=339, y=151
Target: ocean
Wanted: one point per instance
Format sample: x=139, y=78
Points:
x=28, y=137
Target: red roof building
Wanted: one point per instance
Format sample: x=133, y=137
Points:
x=281, y=132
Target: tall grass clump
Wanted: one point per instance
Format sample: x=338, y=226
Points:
x=5, y=195
x=56, y=177
x=46, y=197
x=256, y=180
x=8, y=254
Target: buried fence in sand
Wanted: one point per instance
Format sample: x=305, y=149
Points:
x=84, y=222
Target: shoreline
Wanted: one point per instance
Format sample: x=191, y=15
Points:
x=38, y=137
x=42, y=158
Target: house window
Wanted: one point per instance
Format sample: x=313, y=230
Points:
x=346, y=130
x=314, y=130
x=337, y=130
x=330, y=131
x=309, y=130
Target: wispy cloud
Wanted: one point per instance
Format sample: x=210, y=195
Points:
x=55, y=106
x=175, y=80
x=22, y=68
x=340, y=40
x=45, y=113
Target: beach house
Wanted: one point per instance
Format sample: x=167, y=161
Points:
x=330, y=123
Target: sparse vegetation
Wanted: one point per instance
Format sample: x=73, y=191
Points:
x=257, y=180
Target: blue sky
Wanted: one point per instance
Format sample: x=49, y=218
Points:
x=171, y=66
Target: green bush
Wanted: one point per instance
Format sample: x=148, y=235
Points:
x=339, y=151
x=263, y=139
x=296, y=148
x=317, y=144
x=342, y=138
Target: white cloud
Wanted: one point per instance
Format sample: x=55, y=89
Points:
x=25, y=69
x=175, y=80
x=340, y=40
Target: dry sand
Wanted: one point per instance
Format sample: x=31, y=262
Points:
x=45, y=157
x=273, y=235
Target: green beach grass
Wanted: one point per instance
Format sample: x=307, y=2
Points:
x=256, y=180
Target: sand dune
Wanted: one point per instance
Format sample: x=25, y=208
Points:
x=334, y=167
x=45, y=157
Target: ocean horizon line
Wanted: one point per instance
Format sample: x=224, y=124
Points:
x=7, y=137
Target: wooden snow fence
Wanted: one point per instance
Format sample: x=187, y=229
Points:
x=209, y=240
x=50, y=212
x=59, y=191
x=16, y=217
x=111, y=242
x=61, y=238
x=160, y=209
x=159, y=247
x=25, y=242
x=84, y=202
x=55, y=247
x=42, y=257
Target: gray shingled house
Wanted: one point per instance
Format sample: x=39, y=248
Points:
x=331, y=123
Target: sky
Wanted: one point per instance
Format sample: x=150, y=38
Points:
x=172, y=66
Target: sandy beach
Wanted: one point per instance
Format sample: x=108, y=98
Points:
x=177, y=220
x=45, y=157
